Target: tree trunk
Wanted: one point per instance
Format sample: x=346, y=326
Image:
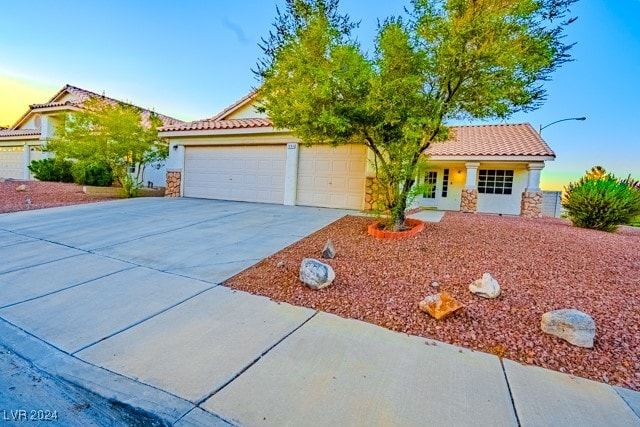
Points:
x=398, y=213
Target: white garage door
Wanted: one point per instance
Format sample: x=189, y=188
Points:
x=332, y=177
x=244, y=173
x=11, y=162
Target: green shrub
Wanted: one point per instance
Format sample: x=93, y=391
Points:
x=92, y=173
x=130, y=187
x=601, y=203
x=52, y=170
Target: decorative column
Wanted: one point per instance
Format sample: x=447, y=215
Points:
x=291, y=174
x=46, y=131
x=175, y=166
x=531, y=205
x=25, y=162
x=469, y=199
x=174, y=181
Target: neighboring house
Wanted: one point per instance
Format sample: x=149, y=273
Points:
x=23, y=142
x=238, y=155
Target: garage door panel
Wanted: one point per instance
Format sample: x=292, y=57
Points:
x=246, y=173
x=321, y=182
x=332, y=177
x=250, y=180
x=252, y=164
x=340, y=166
x=11, y=159
x=339, y=181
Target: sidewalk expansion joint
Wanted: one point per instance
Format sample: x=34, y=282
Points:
x=133, y=325
x=42, y=239
x=41, y=263
x=513, y=403
x=68, y=287
x=246, y=368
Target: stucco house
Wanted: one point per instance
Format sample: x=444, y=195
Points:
x=238, y=155
x=23, y=142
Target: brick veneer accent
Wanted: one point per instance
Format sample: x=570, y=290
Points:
x=469, y=200
x=416, y=227
x=173, y=184
x=531, y=205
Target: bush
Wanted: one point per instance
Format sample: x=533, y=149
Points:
x=601, y=203
x=92, y=173
x=130, y=187
x=52, y=170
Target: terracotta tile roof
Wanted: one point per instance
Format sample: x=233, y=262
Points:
x=231, y=108
x=82, y=95
x=480, y=140
x=209, y=124
x=19, y=132
x=493, y=140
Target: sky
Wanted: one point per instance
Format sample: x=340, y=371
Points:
x=189, y=59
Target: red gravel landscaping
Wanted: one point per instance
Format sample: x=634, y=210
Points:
x=541, y=265
x=41, y=195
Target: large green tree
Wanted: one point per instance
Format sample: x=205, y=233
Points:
x=444, y=60
x=113, y=134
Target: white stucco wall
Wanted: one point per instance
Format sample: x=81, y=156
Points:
x=175, y=160
x=156, y=173
x=503, y=203
x=29, y=124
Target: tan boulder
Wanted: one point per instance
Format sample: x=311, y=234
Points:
x=440, y=306
x=21, y=187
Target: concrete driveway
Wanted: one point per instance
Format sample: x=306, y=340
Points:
x=123, y=299
x=76, y=276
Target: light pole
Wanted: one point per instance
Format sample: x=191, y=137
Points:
x=558, y=121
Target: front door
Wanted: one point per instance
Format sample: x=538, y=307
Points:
x=429, y=196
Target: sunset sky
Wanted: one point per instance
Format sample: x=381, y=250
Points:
x=190, y=59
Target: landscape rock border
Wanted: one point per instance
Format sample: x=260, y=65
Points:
x=416, y=227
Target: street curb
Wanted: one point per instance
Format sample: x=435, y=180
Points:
x=134, y=395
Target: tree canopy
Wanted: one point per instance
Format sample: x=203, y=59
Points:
x=111, y=134
x=443, y=60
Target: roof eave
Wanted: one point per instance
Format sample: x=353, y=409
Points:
x=221, y=132
x=14, y=138
x=501, y=158
x=235, y=106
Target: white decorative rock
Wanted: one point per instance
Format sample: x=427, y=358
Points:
x=571, y=325
x=316, y=274
x=487, y=287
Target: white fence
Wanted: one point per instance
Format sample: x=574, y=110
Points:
x=551, y=205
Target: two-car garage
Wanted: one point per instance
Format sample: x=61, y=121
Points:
x=239, y=155
x=325, y=176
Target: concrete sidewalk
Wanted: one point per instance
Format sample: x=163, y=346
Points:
x=124, y=299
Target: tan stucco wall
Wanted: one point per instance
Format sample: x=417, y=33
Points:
x=246, y=112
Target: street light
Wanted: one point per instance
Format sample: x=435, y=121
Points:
x=558, y=121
